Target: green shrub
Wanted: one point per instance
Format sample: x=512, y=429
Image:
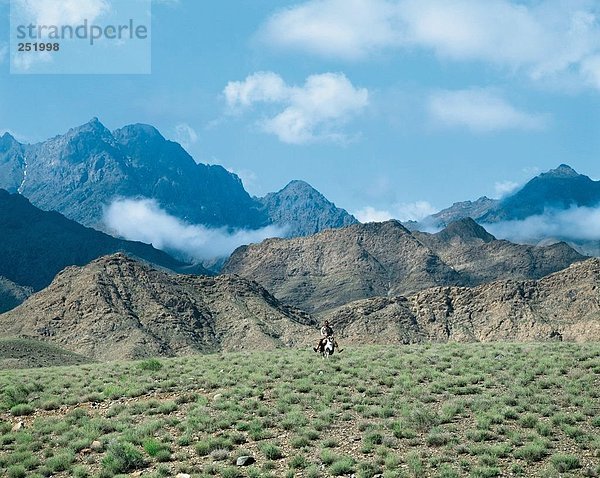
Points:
x=152, y=446
x=298, y=462
x=22, y=409
x=122, y=457
x=271, y=451
x=205, y=447
x=534, y=451
x=231, y=472
x=564, y=463
x=154, y=365
x=16, y=471
x=60, y=462
x=342, y=466
x=14, y=395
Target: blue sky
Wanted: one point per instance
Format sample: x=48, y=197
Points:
x=391, y=108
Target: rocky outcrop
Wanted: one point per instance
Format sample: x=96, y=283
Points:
x=470, y=250
x=12, y=294
x=562, y=306
x=337, y=266
x=119, y=308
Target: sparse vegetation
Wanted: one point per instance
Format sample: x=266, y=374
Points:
x=414, y=411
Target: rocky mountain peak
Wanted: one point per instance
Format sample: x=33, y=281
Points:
x=303, y=210
x=93, y=126
x=138, y=132
x=563, y=171
x=7, y=140
x=465, y=229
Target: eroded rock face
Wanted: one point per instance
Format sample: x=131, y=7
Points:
x=561, y=306
x=332, y=268
x=119, y=308
x=474, y=253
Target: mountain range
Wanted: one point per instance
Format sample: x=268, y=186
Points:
x=558, y=189
x=81, y=172
x=119, y=308
x=337, y=266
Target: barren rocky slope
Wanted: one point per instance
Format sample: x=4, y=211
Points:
x=334, y=267
x=117, y=308
x=479, y=257
x=561, y=306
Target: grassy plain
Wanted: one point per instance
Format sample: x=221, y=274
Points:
x=473, y=410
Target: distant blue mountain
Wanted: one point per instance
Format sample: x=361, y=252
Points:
x=560, y=188
x=82, y=171
x=35, y=245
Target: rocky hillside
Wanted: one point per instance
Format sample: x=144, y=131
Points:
x=36, y=244
x=562, y=306
x=470, y=250
x=304, y=211
x=119, y=308
x=12, y=294
x=335, y=267
x=24, y=353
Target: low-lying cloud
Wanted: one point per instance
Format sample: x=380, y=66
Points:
x=574, y=224
x=414, y=211
x=144, y=220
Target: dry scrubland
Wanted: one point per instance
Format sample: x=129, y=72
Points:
x=429, y=410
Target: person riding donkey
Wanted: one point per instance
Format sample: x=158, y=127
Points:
x=326, y=331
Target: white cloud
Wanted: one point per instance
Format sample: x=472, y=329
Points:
x=185, y=135
x=541, y=39
x=64, y=12
x=314, y=111
x=370, y=214
x=343, y=28
x=414, y=211
x=144, y=220
x=504, y=188
x=480, y=110
x=577, y=223
x=263, y=86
